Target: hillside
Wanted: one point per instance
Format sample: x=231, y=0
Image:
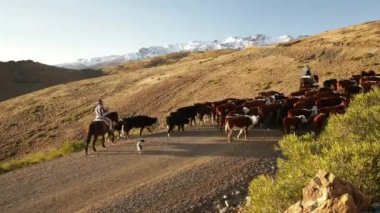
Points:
x=48, y=117
x=21, y=77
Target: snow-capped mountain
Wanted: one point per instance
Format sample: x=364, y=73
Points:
x=233, y=42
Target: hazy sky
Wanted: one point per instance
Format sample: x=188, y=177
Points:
x=56, y=31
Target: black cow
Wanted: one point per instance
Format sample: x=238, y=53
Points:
x=176, y=119
x=189, y=112
x=331, y=83
x=119, y=126
x=202, y=110
x=140, y=121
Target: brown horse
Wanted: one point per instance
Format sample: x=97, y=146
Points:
x=96, y=129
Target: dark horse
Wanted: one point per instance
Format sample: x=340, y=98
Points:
x=96, y=129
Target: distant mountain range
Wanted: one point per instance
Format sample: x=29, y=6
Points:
x=233, y=42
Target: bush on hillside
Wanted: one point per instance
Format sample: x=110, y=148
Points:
x=349, y=147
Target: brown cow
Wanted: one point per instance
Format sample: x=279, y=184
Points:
x=253, y=103
x=352, y=90
x=265, y=110
x=292, y=100
x=367, y=85
x=241, y=123
x=326, y=95
x=294, y=121
x=243, y=111
x=310, y=93
x=343, y=84
x=333, y=109
x=319, y=121
x=356, y=78
x=298, y=93
x=268, y=93
x=238, y=101
x=369, y=73
x=222, y=111
x=306, y=112
x=327, y=102
x=305, y=104
x=370, y=78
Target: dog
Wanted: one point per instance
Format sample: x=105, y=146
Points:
x=139, y=146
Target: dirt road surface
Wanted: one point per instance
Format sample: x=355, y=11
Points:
x=183, y=173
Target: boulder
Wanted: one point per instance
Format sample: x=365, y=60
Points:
x=328, y=193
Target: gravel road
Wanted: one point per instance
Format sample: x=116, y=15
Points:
x=187, y=172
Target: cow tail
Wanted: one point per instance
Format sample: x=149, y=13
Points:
x=122, y=131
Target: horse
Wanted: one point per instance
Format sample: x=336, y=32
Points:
x=97, y=128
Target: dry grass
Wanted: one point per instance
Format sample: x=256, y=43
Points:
x=46, y=118
x=66, y=149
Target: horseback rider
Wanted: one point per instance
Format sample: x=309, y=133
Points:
x=307, y=71
x=307, y=78
x=101, y=114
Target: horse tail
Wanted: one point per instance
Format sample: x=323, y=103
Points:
x=88, y=137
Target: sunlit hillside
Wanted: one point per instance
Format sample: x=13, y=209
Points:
x=49, y=117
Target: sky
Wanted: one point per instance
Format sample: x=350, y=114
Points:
x=57, y=31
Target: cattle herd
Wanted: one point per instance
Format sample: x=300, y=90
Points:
x=308, y=108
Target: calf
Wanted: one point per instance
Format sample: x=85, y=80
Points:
x=176, y=119
x=140, y=121
x=241, y=123
x=294, y=121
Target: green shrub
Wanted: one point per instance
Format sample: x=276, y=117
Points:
x=67, y=148
x=349, y=147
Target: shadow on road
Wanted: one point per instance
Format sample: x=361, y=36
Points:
x=201, y=141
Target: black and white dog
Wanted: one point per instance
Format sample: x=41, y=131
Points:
x=139, y=146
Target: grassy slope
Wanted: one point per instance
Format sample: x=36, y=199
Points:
x=49, y=117
x=21, y=77
x=348, y=147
